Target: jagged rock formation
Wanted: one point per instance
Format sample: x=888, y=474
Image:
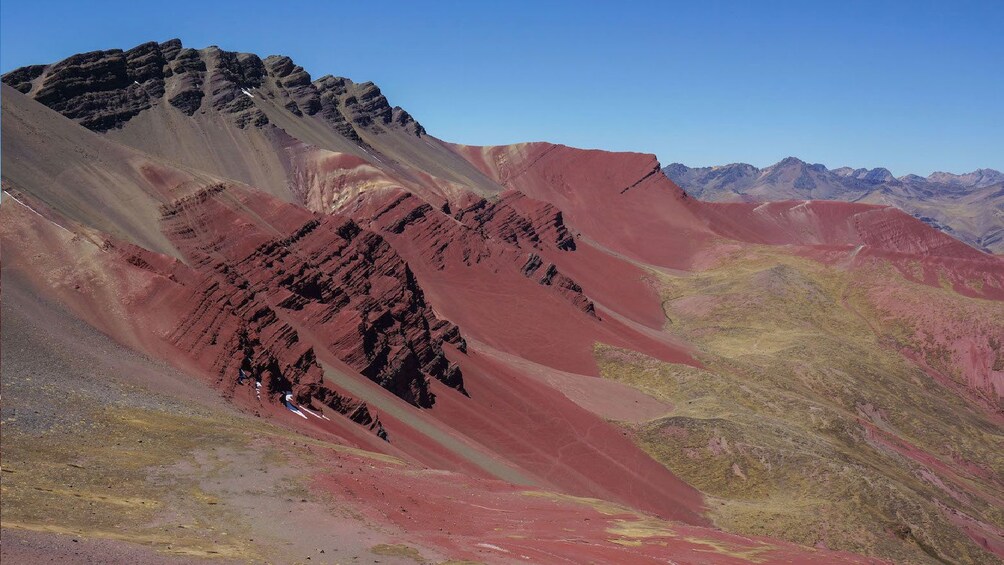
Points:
x=21, y=78
x=102, y=90
x=222, y=320
x=302, y=97
x=496, y=232
x=232, y=78
x=345, y=285
x=514, y=218
x=551, y=277
x=190, y=69
x=969, y=207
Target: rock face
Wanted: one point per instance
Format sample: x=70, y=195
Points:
x=344, y=285
x=260, y=293
x=205, y=321
x=516, y=219
x=102, y=90
x=505, y=233
x=22, y=78
x=969, y=207
x=222, y=321
x=232, y=78
x=190, y=69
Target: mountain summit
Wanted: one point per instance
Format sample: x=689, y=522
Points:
x=103, y=90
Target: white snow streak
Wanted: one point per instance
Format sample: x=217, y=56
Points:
x=309, y=411
x=491, y=546
x=37, y=214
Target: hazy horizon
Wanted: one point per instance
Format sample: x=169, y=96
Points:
x=829, y=166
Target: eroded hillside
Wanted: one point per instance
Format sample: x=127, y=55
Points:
x=477, y=344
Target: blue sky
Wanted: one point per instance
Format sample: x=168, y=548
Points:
x=912, y=86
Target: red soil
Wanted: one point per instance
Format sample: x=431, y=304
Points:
x=364, y=313
x=619, y=200
x=569, y=448
x=497, y=522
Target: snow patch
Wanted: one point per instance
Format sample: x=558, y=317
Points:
x=491, y=546
x=309, y=411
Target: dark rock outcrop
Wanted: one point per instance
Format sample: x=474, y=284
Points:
x=21, y=79
x=402, y=118
x=94, y=89
x=222, y=321
x=326, y=275
x=232, y=80
x=103, y=90
x=517, y=219
x=190, y=71
x=495, y=232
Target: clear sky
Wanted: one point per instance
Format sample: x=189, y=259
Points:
x=914, y=86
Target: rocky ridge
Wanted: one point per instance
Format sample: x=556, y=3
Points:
x=510, y=231
x=328, y=276
x=103, y=90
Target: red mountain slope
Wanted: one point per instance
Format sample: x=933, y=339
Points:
x=564, y=320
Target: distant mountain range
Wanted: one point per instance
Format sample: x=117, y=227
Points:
x=970, y=207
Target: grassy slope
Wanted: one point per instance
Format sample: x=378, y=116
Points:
x=799, y=362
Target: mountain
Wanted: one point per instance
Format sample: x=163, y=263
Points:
x=969, y=207
x=527, y=352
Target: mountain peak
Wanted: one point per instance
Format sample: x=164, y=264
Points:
x=675, y=168
x=874, y=176
x=103, y=90
x=789, y=162
x=976, y=179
